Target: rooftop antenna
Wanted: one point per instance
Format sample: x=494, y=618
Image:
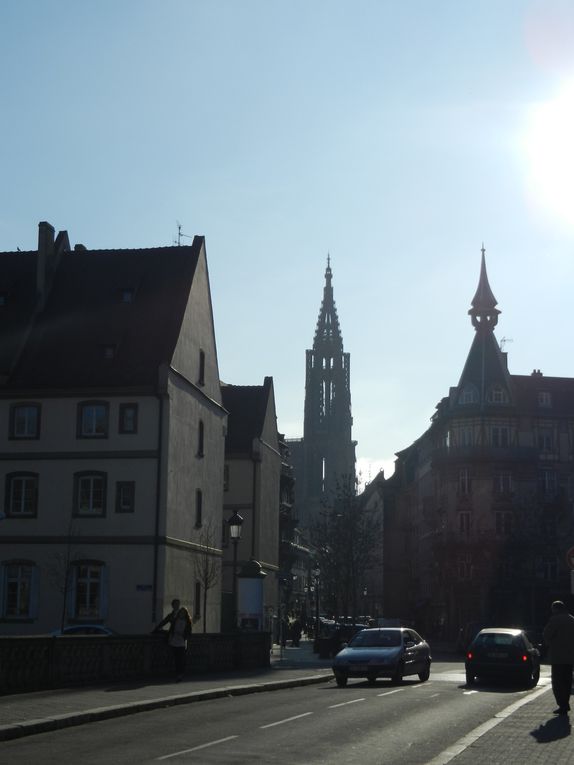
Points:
x=180, y=234
x=503, y=341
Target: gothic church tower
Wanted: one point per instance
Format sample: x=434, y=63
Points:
x=328, y=449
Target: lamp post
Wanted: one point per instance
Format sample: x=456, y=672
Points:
x=316, y=575
x=235, y=523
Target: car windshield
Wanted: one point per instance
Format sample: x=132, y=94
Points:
x=376, y=638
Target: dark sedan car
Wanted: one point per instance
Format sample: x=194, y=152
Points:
x=499, y=652
x=383, y=652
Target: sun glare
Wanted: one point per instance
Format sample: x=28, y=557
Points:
x=549, y=150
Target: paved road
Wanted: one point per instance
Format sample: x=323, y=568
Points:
x=412, y=724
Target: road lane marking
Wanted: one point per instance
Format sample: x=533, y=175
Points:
x=286, y=720
x=196, y=748
x=344, y=703
x=459, y=746
x=468, y=693
x=388, y=693
x=434, y=695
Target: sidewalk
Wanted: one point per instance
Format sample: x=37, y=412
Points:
x=28, y=713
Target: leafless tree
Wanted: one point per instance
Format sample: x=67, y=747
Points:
x=59, y=569
x=207, y=564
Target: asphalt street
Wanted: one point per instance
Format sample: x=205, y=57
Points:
x=415, y=723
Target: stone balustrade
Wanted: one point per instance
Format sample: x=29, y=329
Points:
x=38, y=662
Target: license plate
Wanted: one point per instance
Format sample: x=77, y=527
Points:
x=361, y=667
x=497, y=655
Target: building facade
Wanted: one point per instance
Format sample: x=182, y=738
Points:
x=111, y=435
x=479, y=517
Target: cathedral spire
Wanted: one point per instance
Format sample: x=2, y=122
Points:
x=328, y=332
x=484, y=314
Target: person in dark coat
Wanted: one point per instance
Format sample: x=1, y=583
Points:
x=179, y=633
x=559, y=637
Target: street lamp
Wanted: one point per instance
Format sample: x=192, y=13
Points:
x=316, y=575
x=235, y=523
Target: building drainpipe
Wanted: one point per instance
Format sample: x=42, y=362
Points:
x=154, y=616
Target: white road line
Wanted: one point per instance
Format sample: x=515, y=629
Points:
x=286, y=720
x=344, y=704
x=434, y=695
x=388, y=693
x=459, y=746
x=195, y=748
x=468, y=693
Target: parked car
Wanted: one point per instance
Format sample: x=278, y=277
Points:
x=505, y=653
x=383, y=652
x=85, y=629
x=340, y=634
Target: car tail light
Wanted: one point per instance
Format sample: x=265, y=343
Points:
x=524, y=657
x=469, y=655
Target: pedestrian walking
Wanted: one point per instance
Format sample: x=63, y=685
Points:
x=179, y=633
x=559, y=637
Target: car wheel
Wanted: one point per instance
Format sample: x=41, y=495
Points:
x=397, y=678
x=469, y=677
x=425, y=674
x=341, y=680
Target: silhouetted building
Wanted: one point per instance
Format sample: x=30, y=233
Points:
x=324, y=458
x=479, y=513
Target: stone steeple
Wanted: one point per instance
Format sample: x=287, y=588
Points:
x=328, y=447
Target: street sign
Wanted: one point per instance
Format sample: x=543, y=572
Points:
x=570, y=557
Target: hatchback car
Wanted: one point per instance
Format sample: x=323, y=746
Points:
x=504, y=653
x=383, y=652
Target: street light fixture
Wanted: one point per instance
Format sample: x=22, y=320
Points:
x=235, y=523
x=316, y=575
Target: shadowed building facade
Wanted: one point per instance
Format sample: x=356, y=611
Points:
x=479, y=512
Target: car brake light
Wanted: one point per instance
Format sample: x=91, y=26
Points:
x=524, y=657
x=469, y=655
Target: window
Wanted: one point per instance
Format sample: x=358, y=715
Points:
x=503, y=483
x=90, y=494
x=468, y=395
x=226, y=478
x=21, y=499
x=546, y=568
x=93, y=419
x=503, y=523
x=497, y=395
x=464, y=522
x=25, y=421
x=464, y=481
x=125, y=496
x=545, y=440
x=197, y=601
x=500, y=436
x=201, y=375
x=464, y=566
x=200, y=439
x=466, y=436
x=544, y=399
x=198, y=508
x=19, y=580
x=128, y=418
x=547, y=482
x=87, y=593
x=127, y=295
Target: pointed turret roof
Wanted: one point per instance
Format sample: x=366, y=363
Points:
x=328, y=331
x=485, y=370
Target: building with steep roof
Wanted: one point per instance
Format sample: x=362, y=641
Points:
x=478, y=515
x=111, y=434
x=252, y=488
x=324, y=459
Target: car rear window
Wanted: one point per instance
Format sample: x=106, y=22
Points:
x=497, y=640
x=377, y=638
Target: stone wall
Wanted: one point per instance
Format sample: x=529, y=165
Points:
x=39, y=662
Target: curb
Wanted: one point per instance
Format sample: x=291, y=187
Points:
x=59, y=722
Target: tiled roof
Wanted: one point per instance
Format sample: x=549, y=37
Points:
x=86, y=335
x=247, y=405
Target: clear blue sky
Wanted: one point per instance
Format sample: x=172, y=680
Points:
x=398, y=136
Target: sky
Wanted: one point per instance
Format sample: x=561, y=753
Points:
x=396, y=135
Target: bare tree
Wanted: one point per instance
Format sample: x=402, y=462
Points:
x=59, y=570
x=207, y=564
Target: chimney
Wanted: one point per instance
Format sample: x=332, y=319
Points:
x=45, y=256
